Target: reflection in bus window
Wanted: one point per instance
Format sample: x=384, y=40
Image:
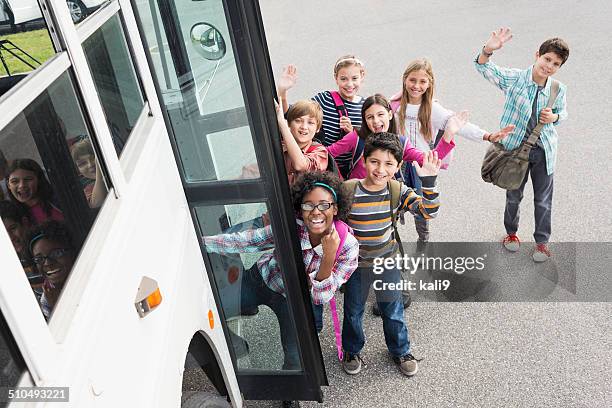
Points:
x=24, y=43
x=115, y=79
x=30, y=189
x=17, y=224
x=91, y=177
x=3, y=169
x=202, y=94
x=51, y=249
x=54, y=186
x=263, y=338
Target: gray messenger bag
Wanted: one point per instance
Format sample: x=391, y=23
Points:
x=507, y=168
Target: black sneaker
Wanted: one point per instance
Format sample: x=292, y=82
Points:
x=407, y=364
x=352, y=364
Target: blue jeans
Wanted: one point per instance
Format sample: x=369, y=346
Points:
x=317, y=310
x=542, y=198
x=391, y=308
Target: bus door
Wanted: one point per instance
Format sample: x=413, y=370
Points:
x=215, y=83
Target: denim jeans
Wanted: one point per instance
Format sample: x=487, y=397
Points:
x=542, y=198
x=317, y=310
x=391, y=307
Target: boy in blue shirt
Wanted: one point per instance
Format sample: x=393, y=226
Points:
x=527, y=93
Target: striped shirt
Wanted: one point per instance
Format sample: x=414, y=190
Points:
x=520, y=91
x=258, y=240
x=330, y=131
x=370, y=217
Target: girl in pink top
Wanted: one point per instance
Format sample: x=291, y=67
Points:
x=30, y=189
x=377, y=116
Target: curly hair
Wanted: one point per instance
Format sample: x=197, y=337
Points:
x=51, y=230
x=305, y=183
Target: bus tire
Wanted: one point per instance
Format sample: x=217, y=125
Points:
x=203, y=399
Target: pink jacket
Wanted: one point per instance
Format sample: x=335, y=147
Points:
x=349, y=142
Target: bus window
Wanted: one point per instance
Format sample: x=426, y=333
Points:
x=200, y=88
x=115, y=78
x=54, y=186
x=241, y=249
x=25, y=43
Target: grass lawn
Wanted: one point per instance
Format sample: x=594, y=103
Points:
x=36, y=43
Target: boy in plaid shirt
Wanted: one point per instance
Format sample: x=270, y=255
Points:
x=527, y=93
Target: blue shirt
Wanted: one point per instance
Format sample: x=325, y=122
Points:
x=520, y=91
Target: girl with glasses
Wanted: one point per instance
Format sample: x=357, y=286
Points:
x=329, y=252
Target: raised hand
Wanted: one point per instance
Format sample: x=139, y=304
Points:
x=431, y=165
x=288, y=78
x=500, y=134
x=497, y=39
x=330, y=243
x=345, y=124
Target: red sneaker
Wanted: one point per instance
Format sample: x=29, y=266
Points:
x=541, y=253
x=511, y=242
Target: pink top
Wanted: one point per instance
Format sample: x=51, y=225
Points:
x=39, y=215
x=411, y=153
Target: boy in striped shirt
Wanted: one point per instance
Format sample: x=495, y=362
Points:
x=370, y=218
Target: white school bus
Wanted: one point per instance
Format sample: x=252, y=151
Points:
x=144, y=127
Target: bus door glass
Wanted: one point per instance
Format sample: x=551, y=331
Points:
x=218, y=106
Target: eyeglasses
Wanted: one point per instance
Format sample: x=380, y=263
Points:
x=320, y=206
x=53, y=256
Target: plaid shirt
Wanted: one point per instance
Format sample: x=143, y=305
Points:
x=520, y=90
x=261, y=239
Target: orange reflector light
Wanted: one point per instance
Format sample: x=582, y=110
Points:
x=154, y=299
x=148, y=296
x=211, y=319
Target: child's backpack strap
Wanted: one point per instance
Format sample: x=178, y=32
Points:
x=357, y=153
x=332, y=167
x=343, y=230
x=395, y=189
x=339, y=103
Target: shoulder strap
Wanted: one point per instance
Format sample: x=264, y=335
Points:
x=339, y=103
x=535, y=133
x=357, y=153
x=343, y=230
x=395, y=188
x=313, y=146
x=350, y=185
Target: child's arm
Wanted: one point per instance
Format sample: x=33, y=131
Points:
x=316, y=160
x=427, y=205
x=248, y=241
x=98, y=193
x=286, y=82
x=501, y=77
x=457, y=124
x=344, y=145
